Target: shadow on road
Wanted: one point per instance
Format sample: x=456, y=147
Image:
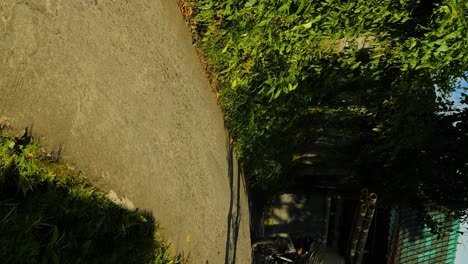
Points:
x=234, y=215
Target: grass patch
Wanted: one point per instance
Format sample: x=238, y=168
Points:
x=50, y=214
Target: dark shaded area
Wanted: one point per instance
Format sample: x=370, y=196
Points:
x=421, y=15
x=446, y=162
x=305, y=215
x=377, y=242
x=234, y=216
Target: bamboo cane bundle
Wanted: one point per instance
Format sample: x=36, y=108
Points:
x=357, y=224
x=372, y=199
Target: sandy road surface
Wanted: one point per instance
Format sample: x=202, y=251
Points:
x=119, y=86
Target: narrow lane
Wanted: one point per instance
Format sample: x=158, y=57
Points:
x=119, y=86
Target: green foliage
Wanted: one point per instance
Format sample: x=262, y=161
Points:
x=370, y=77
x=271, y=47
x=49, y=214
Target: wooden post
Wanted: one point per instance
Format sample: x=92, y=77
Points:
x=336, y=232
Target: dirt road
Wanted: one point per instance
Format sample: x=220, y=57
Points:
x=119, y=86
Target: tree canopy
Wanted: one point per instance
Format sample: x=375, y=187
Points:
x=360, y=85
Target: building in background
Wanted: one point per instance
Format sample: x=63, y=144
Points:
x=411, y=242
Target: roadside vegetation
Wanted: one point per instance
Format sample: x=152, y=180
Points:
x=366, y=85
x=50, y=214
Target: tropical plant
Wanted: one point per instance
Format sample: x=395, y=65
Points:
x=361, y=84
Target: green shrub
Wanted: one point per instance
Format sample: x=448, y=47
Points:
x=369, y=78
